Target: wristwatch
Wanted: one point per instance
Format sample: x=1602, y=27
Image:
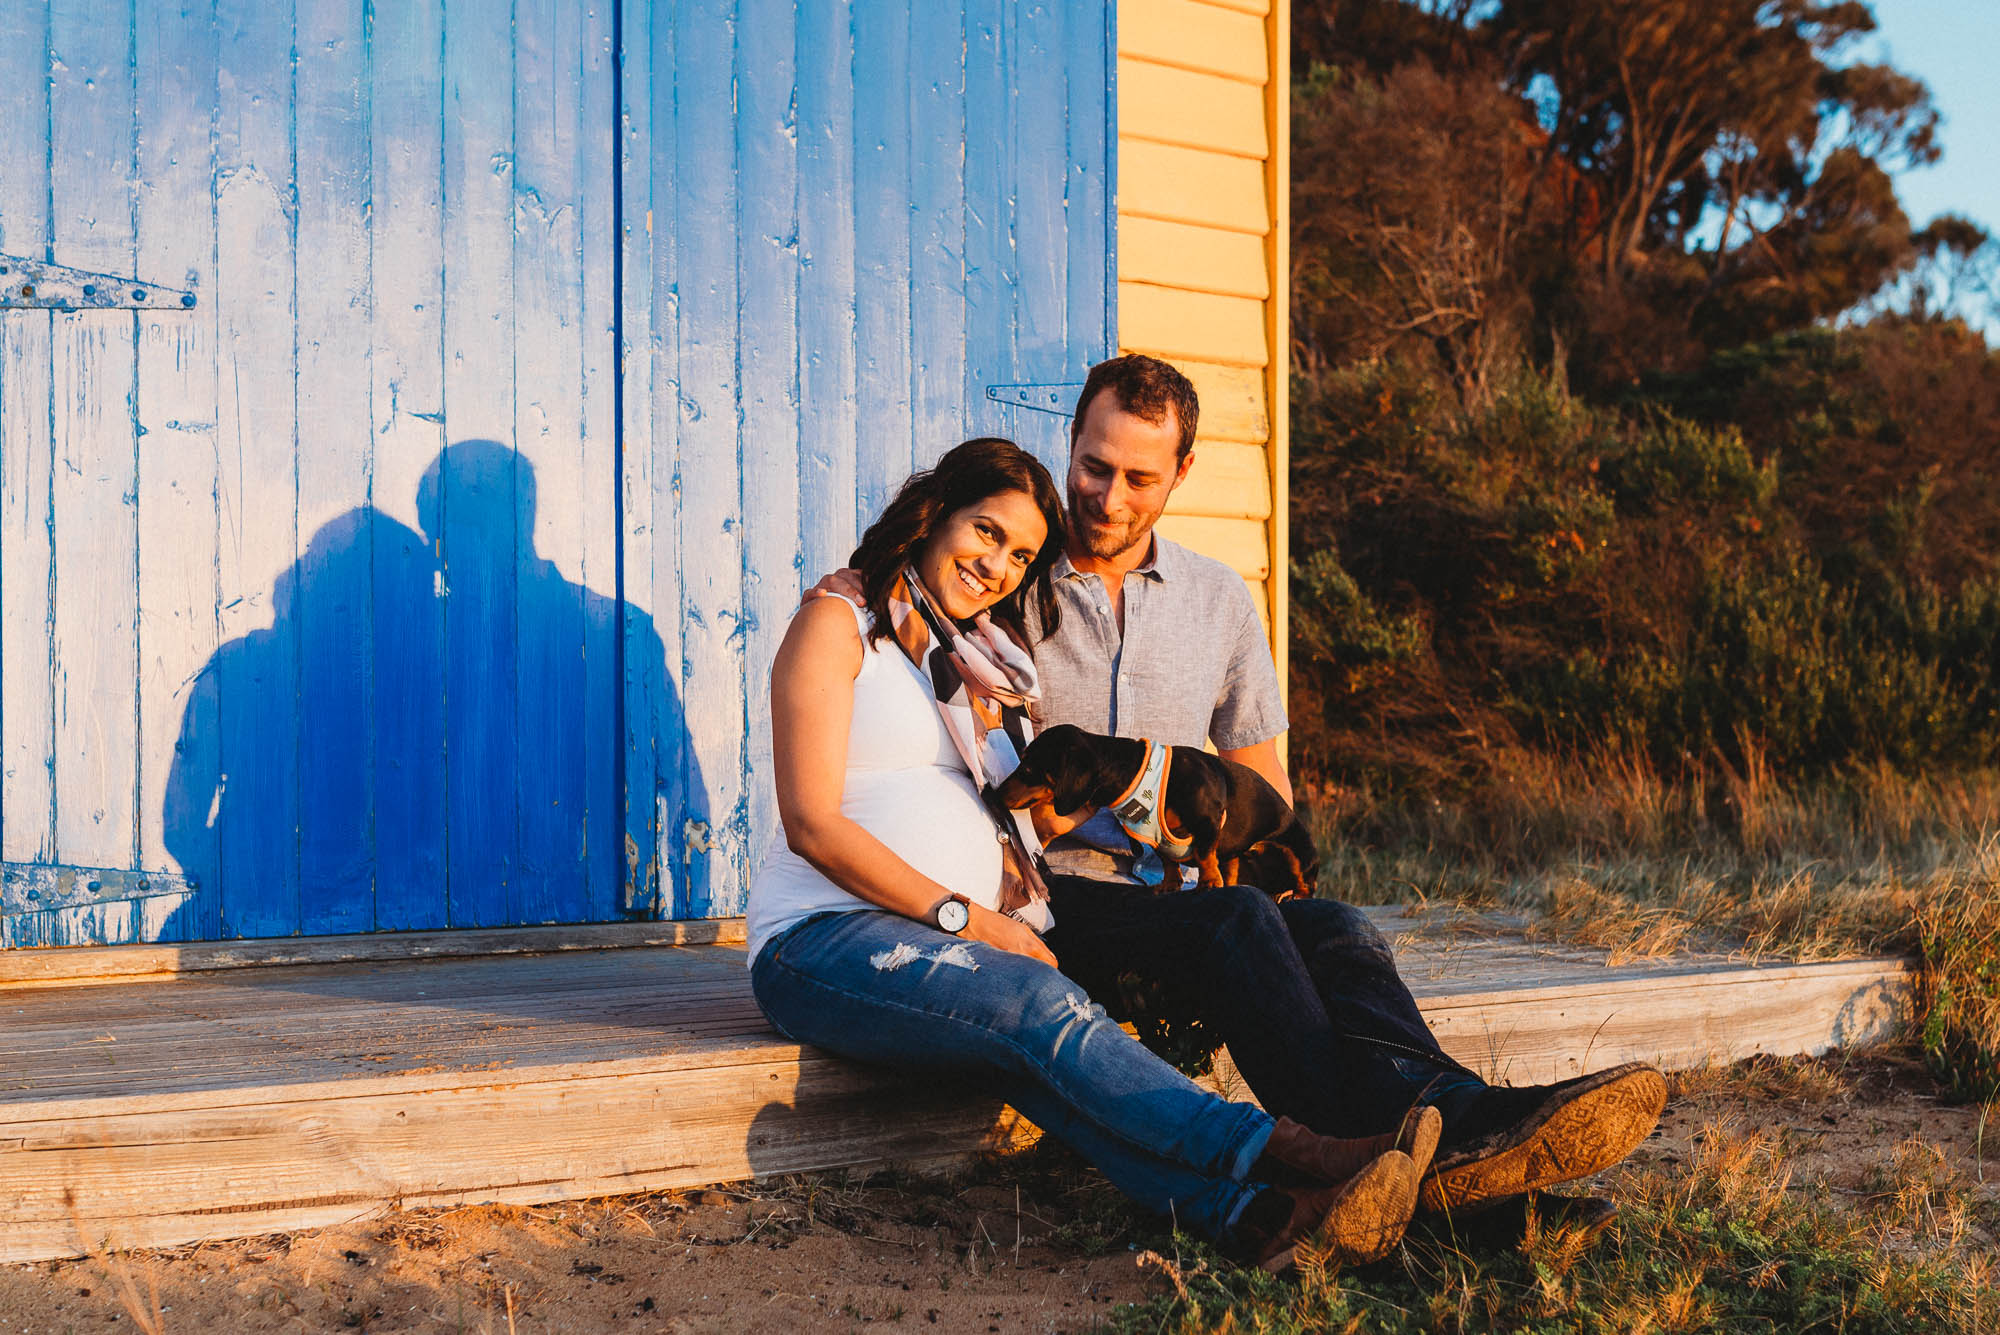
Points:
x=952, y=913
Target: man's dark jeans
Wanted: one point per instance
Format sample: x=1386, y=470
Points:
x=1305, y=993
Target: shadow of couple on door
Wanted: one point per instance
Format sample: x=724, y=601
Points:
x=427, y=735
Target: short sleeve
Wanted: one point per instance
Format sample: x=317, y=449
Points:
x=1249, y=708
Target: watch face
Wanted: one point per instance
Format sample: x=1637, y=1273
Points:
x=952, y=916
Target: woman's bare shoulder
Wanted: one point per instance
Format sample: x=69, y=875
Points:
x=826, y=629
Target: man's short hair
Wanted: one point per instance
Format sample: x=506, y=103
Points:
x=1147, y=388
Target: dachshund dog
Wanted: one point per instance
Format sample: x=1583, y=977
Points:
x=1190, y=805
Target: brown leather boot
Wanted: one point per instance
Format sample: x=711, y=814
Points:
x=1359, y=1221
x=1333, y=1159
x=1554, y=1133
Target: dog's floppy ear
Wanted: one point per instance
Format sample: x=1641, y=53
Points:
x=1077, y=772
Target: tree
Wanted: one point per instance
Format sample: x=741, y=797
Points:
x=1410, y=208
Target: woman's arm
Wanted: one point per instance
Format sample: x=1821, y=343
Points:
x=812, y=708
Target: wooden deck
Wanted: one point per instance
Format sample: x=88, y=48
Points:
x=234, y=1101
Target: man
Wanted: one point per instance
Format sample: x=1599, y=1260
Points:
x=1155, y=641
x=1158, y=642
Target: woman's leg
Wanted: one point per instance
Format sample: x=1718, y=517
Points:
x=880, y=988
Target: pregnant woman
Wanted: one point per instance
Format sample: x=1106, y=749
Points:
x=892, y=921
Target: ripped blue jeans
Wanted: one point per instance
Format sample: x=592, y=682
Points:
x=881, y=988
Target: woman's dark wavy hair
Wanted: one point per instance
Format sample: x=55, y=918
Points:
x=986, y=466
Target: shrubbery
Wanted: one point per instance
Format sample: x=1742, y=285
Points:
x=1782, y=553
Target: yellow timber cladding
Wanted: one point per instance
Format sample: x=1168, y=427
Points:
x=1203, y=218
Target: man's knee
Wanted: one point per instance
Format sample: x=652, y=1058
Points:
x=1329, y=925
x=1243, y=907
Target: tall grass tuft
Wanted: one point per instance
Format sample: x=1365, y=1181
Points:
x=1723, y=1246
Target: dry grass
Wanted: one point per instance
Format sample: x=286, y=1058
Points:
x=1724, y=1244
x=1605, y=852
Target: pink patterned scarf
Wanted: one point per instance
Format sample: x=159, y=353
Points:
x=986, y=692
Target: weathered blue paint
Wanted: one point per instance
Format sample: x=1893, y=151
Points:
x=939, y=212
x=339, y=601
x=180, y=501
x=407, y=432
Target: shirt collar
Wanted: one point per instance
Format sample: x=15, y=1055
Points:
x=1163, y=564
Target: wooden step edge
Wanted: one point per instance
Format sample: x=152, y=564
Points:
x=696, y=1056
x=1889, y=969
x=78, y=965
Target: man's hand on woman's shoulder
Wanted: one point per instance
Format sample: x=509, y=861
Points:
x=845, y=582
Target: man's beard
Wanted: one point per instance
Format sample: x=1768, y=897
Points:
x=1107, y=542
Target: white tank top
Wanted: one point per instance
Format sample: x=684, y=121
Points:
x=905, y=784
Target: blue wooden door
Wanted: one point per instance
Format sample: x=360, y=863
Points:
x=425, y=571
x=310, y=588
x=846, y=220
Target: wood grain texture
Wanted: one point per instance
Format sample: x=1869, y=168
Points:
x=1190, y=185
x=1227, y=481
x=35, y=968
x=594, y=102
x=312, y=1161
x=1239, y=544
x=1165, y=105
x=648, y=577
x=1039, y=139
x=828, y=423
x=1232, y=401
x=92, y=500
x=361, y=660
x=714, y=667
x=768, y=353
x=331, y=606
x=175, y=54
x=557, y=503
x=339, y=1088
x=27, y=552
x=1200, y=326
x=1193, y=35
x=1199, y=259
x=256, y=673
x=479, y=492
x=407, y=433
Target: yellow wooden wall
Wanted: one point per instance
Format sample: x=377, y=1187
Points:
x=1203, y=147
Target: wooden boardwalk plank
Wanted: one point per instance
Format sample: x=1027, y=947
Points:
x=239, y=1100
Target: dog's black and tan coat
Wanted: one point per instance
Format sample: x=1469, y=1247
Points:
x=1230, y=817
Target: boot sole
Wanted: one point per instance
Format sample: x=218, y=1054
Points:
x=1423, y=1127
x=1366, y=1219
x=1582, y=1134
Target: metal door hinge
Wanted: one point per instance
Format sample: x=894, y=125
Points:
x=31, y=285
x=1057, y=399
x=37, y=887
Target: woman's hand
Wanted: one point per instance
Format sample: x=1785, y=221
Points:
x=1008, y=934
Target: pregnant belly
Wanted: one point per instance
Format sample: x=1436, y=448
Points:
x=932, y=819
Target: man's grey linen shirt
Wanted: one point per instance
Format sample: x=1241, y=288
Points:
x=1193, y=666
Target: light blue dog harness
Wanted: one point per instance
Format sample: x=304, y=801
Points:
x=1139, y=809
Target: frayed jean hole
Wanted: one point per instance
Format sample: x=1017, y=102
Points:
x=888, y=961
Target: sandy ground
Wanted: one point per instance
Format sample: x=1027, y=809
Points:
x=1032, y=1244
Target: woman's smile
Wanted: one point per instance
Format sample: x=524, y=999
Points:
x=978, y=555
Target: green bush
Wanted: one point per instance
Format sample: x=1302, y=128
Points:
x=1739, y=557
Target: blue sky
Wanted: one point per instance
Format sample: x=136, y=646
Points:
x=1954, y=46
